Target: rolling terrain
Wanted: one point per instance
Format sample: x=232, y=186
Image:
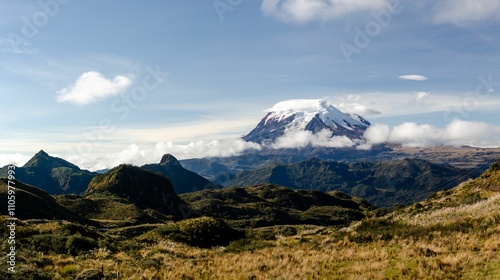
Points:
x=453, y=234
x=383, y=184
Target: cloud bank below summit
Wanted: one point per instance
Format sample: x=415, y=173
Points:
x=456, y=134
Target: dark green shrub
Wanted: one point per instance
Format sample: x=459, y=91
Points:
x=379, y=212
x=43, y=262
x=76, y=244
x=495, y=166
x=204, y=232
x=288, y=231
x=48, y=243
x=432, y=195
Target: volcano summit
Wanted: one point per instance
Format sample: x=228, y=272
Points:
x=313, y=115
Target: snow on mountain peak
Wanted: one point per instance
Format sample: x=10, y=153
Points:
x=313, y=115
x=305, y=110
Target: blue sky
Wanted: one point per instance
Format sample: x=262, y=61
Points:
x=105, y=82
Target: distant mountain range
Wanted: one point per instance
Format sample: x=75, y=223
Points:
x=383, y=184
x=313, y=115
x=380, y=183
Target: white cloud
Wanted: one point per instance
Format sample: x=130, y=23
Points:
x=413, y=77
x=460, y=12
x=137, y=155
x=377, y=133
x=213, y=148
x=457, y=133
x=301, y=139
x=353, y=104
x=14, y=159
x=309, y=10
x=91, y=87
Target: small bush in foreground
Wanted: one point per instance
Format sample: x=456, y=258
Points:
x=204, y=232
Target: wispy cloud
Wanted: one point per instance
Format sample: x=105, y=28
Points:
x=378, y=104
x=310, y=10
x=358, y=109
x=461, y=12
x=91, y=87
x=413, y=77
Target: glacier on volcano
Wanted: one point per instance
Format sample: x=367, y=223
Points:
x=304, y=119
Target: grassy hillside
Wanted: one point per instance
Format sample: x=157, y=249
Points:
x=34, y=203
x=268, y=204
x=451, y=235
x=141, y=187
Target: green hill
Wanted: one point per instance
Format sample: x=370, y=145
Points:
x=141, y=187
x=268, y=204
x=34, y=203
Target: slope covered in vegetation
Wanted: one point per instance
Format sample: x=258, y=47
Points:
x=451, y=235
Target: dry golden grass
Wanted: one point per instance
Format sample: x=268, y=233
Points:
x=307, y=255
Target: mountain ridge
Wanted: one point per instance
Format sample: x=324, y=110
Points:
x=182, y=179
x=52, y=174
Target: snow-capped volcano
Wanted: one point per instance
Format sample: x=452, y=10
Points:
x=312, y=115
